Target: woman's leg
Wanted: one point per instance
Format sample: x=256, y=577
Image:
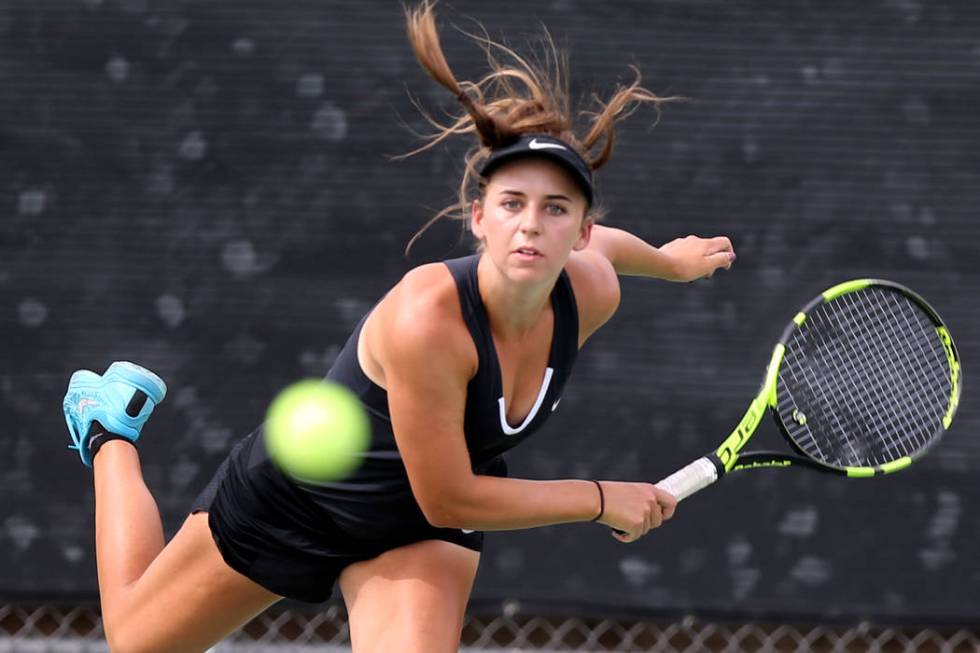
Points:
x=410, y=599
x=178, y=597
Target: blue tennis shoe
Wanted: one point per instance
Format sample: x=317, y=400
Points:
x=121, y=400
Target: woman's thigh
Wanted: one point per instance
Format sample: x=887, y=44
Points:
x=187, y=599
x=412, y=598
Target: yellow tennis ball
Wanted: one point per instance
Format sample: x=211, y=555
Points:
x=316, y=430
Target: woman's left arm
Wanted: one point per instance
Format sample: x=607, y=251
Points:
x=683, y=259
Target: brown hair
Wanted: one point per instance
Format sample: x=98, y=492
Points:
x=514, y=99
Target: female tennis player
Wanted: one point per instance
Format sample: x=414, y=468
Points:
x=459, y=362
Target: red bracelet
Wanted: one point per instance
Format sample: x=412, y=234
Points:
x=602, y=501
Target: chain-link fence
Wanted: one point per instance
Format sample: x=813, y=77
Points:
x=78, y=629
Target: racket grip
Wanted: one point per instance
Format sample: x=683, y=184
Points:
x=690, y=479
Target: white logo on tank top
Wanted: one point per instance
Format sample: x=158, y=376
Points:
x=505, y=427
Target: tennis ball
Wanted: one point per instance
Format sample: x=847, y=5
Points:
x=315, y=430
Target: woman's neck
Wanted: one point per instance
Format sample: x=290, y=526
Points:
x=513, y=309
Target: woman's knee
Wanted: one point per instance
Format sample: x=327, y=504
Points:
x=126, y=639
x=132, y=633
x=187, y=599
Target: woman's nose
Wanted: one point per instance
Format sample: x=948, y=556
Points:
x=530, y=221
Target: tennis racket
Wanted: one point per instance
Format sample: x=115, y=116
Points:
x=863, y=381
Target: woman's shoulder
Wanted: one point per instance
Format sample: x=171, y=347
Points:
x=596, y=287
x=425, y=290
x=422, y=310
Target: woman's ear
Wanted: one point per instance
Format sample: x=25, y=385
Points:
x=476, y=219
x=584, y=234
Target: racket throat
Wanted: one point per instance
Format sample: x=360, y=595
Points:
x=727, y=453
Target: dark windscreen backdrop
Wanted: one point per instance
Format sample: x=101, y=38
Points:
x=206, y=188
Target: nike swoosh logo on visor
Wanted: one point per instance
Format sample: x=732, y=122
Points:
x=535, y=145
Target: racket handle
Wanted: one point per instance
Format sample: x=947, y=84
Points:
x=690, y=479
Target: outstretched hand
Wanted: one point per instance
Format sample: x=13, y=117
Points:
x=696, y=258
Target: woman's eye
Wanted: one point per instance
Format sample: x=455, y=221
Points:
x=556, y=209
x=511, y=204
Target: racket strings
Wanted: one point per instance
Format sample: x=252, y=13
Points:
x=888, y=368
x=865, y=380
x=894, y=366
x=901, y=368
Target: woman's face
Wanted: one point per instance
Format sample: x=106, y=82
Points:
x=531, y=217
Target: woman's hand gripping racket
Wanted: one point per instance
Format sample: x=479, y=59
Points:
x=862, y=382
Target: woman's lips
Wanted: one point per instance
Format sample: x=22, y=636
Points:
x=528, y=253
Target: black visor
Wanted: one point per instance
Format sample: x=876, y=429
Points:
x=548, y=147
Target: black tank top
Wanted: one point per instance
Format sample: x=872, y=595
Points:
x=377, y=501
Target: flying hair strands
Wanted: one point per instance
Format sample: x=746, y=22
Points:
x=515, y=98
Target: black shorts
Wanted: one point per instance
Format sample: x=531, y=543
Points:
x=270, y=531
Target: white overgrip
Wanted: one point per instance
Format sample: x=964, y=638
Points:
x=690, y=479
